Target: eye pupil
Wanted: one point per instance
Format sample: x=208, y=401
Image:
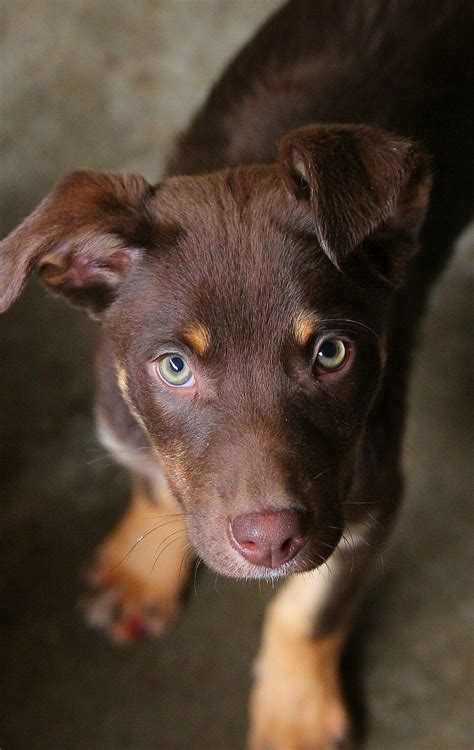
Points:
x=329, y=350
x=176, y=364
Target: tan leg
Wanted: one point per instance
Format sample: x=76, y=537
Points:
x=140, y=570
x=296, y=703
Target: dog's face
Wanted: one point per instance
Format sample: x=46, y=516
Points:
x=249, y=357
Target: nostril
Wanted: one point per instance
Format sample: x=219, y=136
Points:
x=287, y=544
x=248, y=545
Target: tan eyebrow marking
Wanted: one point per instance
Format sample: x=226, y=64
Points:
x=305, y=326
x=198, y=337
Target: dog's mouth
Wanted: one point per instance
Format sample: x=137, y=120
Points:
x=252, y=572
x=229, y=564
x=267, y=545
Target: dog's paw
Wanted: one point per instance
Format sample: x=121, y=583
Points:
x=303, y=720
x=126, y=609
x=135, y=583
x=296, y=703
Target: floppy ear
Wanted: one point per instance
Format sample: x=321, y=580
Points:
x=82, y=238
x=359, y=181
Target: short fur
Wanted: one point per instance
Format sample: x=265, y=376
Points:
x=298, y=194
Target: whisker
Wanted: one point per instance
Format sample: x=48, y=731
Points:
x=164, y=515
x=173, y=533
x=120, y=450
x=375, y=520
x=317, y=567
x=353, y=551
x=137, y=542
x=196, y=567
x=361, y=502
x=347, y=550
x=188, y=551
x=352, y=538
x=324, y=471
x=165, y=548
x=325, y=544
x=323, y=562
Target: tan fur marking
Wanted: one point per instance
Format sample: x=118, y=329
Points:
x=122, y=381
x=304, y=327
x=175, y=464
x=198, y=337
x=141, y=568
x=123, y=385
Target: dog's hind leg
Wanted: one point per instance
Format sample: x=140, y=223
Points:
x=139, y=572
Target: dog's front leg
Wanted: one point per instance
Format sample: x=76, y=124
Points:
x=296, y=702
x=140, y=570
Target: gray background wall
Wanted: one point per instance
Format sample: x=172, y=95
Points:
x=107, y=85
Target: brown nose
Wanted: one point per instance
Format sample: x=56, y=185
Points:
x=270, y=538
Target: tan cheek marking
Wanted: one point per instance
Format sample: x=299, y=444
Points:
x=122, y=381
x=123, y=386
x=175, y=464
x=304, y=328
x=198, y=337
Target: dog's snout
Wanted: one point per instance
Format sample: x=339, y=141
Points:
x=269, y=538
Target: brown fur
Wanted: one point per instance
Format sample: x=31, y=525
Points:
x=293, y=210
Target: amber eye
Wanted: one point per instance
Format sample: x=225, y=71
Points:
x=331, y=354
x=174, y=370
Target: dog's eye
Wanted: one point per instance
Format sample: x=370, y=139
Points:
x=331, y=355
x=174, y=370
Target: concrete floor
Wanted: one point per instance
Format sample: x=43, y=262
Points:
x=107, y=85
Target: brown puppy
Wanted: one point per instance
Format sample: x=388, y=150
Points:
x=258, y=316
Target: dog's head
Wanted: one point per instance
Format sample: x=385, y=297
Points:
x=247, y=311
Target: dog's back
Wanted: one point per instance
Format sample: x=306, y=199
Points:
x=405, y=66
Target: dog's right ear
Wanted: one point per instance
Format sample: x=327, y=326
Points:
x=83, y=238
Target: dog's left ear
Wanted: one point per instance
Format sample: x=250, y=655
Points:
x=83, y=238
x=361, y=183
